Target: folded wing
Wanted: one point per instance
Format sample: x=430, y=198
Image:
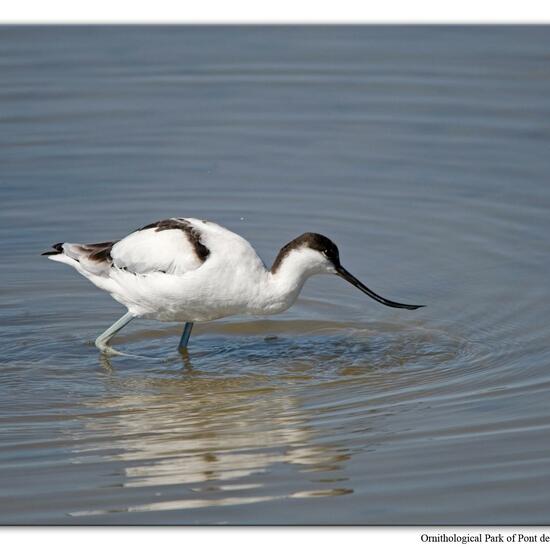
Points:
x=171, y=246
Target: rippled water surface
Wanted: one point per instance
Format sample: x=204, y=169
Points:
x=422, y=152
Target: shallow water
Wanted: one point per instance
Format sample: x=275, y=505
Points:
x=422, y=152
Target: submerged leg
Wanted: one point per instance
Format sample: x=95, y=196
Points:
x=103, y=339
x=184, y=340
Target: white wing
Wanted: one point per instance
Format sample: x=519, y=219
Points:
x=169, y=246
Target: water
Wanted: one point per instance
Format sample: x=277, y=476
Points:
x=422, y=152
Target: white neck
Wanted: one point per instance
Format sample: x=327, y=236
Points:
x=279, y=290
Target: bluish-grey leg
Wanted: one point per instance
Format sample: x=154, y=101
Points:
x=103, y=339
x=184, y=340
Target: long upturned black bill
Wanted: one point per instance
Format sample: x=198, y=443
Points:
x=357, y=283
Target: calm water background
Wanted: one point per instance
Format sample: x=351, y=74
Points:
x=423, y=152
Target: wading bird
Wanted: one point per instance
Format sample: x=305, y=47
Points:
x=190, y=270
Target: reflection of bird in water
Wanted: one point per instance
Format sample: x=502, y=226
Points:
x=208, y=436
x=185, y=269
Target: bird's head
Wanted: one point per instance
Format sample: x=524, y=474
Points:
x=312, y=254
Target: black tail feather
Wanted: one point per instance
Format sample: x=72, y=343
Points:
x=58, y=250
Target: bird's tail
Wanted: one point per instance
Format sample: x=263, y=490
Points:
x=57, y=249
x=93, y=261
x=90, y=259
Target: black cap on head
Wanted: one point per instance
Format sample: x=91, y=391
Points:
x=322, y=244
x=315, y=241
